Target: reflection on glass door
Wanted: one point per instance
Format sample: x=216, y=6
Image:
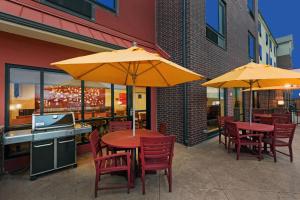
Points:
x=120, y=101
x=24, y=96
x=140, y=107
x=215, y=107
x=61, y=93
x=238, y=104
x=97, y=100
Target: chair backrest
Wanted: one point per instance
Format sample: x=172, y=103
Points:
x=95, y=144
x=231, y=129
x=285, y=131
x=119, y=125
x=160, y=148
x=266, y=120
x=223, y=119
x=283, y=119
x=162, y=128
x=284, y=115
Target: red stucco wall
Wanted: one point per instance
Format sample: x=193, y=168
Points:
x=25, y=51
x=31, y=52
x=135, y=18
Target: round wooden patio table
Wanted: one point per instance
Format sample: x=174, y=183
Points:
x=264, y=128
x=125, y=140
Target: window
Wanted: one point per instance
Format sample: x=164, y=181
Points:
x=109, y=4
x=97, y=100
x=61, y=93
x=251, y=46
x=275, y=50
x=38, y=90
x=78, y=7
x=275, y=64
x=140, y=106
x=260, y=52
x=267, y=38
x=120, y=100
x=271, y=46
x=24, y=96
x=267, y=58
x=259, y=28
x=215, y=21
x=250, y=4
x=215, y=107
x=271, y=61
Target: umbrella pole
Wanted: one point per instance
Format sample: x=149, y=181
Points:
x=133, y=107
x=250, y=113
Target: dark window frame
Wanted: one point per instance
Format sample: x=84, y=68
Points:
x=210, y=29
x=71, y=12
x=260, y=51
x=251, y=12
x=259, y=28
x=42, y=70
x=254, y=47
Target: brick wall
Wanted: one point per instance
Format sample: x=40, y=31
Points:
x=203, y=57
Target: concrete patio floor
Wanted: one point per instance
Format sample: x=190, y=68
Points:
x=205, y=171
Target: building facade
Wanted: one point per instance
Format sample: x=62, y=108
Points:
x=267, y=45
x=35, y=33
x=285, y=51
x=210, y=37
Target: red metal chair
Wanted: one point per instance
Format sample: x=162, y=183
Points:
x=119, y=125
x=222, y=131
x=234, y=136
x=282, y=136
x=109, y=163
x=162, y=129
x=157, y=154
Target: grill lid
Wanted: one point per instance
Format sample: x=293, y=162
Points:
x=52, y=121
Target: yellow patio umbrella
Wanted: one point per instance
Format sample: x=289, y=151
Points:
x=133, y=66
x=255, y=75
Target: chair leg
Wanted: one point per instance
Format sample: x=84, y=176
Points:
x=259, y=152
x=220, y=135
x=143, y=181
x=229, y=145
x=291, y=153
x=128, y=180
x=96, y=184
x=170, y=179
x=274, y=153
x=225, y=142
x=238, y=150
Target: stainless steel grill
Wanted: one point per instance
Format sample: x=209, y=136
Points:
x=52, y=140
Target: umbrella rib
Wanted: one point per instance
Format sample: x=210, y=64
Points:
x=162, y=76
x=148, y=68
x=85, y=73
x=116, y=67
x=127, y=72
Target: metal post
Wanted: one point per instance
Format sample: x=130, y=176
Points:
x=133, y=106
x=250, y=110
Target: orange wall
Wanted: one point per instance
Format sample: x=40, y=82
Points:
x=25, y=51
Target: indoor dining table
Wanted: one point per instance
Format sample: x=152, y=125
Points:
x=125, y=140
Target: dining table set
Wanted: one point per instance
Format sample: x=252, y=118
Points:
x=258, y=136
